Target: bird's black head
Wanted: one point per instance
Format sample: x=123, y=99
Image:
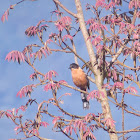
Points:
x=74, y=66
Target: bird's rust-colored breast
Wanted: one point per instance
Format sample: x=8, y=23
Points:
x=79, y=78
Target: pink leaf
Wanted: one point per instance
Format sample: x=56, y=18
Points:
x=93, y=94
x=16, y=128
x=48, y=87
x=109, y=122
x=5, y=15
x=48, y=75
x=63, y=23
x=130, y=89
x=56, y=119
x=35, y=131
x=45, y=124
x=67, y=94
x=33, y=76
x=62, y=82
x=26, y=89
x=15, y=55
x=118, y=85
x=67, y=36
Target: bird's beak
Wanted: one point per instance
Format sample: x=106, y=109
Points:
x=69, y=68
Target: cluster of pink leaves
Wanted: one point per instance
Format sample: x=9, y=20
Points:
x=50, y=74
x=102, y=4
x=82, y=124
x=25, y=90
x=96, y=42
x=120, y=86
x=32, y=130
x=6, y=13
x=21, y=56
x=94, y=26
x=54, y=85
x=79, y=124
x=15, y=55
x=109, y=122
x=95, y=94
x=64, y=22
x=134, y=3
x=11, y=113
x=42, y=51
x=33, y=30
x=65, y=37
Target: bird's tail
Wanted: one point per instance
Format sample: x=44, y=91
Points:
x=85, y=101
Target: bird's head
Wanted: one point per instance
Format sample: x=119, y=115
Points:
x=74, y=66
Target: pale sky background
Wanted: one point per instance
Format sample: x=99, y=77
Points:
x=14, y=76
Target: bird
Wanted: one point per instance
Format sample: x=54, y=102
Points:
x=80, y=79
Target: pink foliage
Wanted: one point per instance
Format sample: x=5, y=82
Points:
x=90, y=21
x=23, y=108
x=16, y=128
x=89, y=116
x=45, y=124
x=58, y=13
x=118, y=85
x=42, y=52
x=25, y=90
x=102, y=3
x=89, y=134
x=56, y=119
x=62, y=82
x=48, y=75
x=53, y=85
x=130, y=89
x=63, y=23
x=65, y=37
x=134, y=3
x=33, y=30
x=15, y=55
x=96, y=41
x=68, y=129
x=109, y=122
x=80, y=124
x=95, y=94
x=35, y=131
x=33, y=76
x=5, y=15
x=97, y=27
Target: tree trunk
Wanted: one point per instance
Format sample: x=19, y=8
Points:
x=98, y=75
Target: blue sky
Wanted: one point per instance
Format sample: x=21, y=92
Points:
x=15, y=76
